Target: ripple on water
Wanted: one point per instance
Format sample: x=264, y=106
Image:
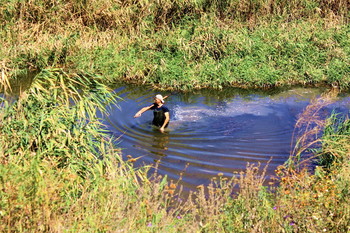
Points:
x=211, y=135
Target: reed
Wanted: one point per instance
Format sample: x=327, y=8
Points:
x=131, y=15
x=60, y=171
x=316, y=200
x=309, y=127
x=181, y=44
x=335, y=136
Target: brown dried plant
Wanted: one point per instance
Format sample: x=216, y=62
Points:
x=4, y=80
x=310, y=125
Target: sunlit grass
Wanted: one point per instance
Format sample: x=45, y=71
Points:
x=60, y=171
x=182, y=44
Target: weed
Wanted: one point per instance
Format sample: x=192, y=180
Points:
x=181, y=44
x=59, y=169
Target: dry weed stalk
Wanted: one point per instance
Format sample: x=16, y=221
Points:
x=251, y=181
x=310, y=125
x=4, y=81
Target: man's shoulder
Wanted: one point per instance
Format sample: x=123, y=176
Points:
x=165, y=108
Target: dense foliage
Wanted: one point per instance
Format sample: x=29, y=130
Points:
x=182, y=44
x=61, y=172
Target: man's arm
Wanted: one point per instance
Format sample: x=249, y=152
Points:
x=142, y=110
x=167, y=118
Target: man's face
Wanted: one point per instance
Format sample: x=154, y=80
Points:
x=157, y=101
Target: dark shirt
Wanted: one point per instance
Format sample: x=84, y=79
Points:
x=159, y=115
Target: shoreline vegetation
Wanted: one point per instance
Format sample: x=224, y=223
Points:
x=182, y=45
x=61, y=172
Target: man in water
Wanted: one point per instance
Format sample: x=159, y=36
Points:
x=161, y=116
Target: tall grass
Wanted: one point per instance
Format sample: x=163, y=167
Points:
x=335, y=137
x=181, y=44
x=60, y=171
x=310, y=125
x=132, y=15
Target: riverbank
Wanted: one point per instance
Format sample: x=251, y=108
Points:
x=182, y=45
x=60, y=171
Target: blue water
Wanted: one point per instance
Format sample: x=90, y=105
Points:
x=213, y=132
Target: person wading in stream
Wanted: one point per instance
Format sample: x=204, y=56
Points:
x=161, y=116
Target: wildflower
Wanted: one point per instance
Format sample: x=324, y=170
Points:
x=292, y=223
x=149, y=224
x=220, y=174
x=275, y=208
x=179, y=217
x=171, y=192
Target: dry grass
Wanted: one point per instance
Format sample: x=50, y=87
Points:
x=51, y=179
x=310, y=126
x=4, y=82
x=181, y=44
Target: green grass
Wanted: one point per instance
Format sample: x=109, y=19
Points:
x=182, y=44
x=336, y=133
x=267, y=57
x=60, y=171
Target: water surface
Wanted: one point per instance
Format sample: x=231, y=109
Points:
x=213, y=132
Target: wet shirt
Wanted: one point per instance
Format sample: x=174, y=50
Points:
x=159, y=115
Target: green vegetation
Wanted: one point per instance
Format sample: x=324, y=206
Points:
x=336, y=132
x=182, y=44
x=61, y=172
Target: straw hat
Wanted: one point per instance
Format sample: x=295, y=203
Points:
x=160, y=97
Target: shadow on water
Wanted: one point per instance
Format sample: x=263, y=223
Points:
x=20, y=82
x=213, y=132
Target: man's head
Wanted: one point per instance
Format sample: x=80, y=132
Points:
x=159, y=98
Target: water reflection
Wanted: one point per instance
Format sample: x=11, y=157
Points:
x=159, y=144
x=21, y=82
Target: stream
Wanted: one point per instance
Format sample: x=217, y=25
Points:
x=213, y=132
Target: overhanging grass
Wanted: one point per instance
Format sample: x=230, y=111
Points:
x=59, y=171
